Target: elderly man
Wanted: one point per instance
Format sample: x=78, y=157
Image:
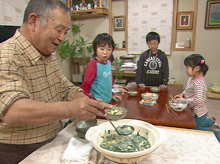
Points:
x=35, y=95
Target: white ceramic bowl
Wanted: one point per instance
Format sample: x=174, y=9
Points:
x=178, y=105
x=155, y=89
x=150, y=96
x=154, y=135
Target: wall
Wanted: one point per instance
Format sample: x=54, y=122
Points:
x=207, y=44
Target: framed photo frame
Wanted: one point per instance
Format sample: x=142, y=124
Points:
x=119, y=23
x=212, y=19
x=184, y=20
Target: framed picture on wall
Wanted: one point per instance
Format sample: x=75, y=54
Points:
x=212, y=19
x=184, y=20
x=119, y=23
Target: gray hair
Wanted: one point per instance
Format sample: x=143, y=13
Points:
x=43, y=9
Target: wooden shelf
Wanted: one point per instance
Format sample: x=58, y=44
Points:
x=192, y=48
x=90, y=13
x=120, y=48
x=126, y=23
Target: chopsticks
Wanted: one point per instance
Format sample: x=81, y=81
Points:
x=117, y=103
x=169, y=108
x=171, y=96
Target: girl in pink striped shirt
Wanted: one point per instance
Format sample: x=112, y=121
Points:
x=195, y=92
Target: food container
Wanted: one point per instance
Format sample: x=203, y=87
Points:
x=178, y=105
x=132, y=93
x=83, y=126
x=155, y=136
x=155, y=89
x=150, y=96
x=116, y=113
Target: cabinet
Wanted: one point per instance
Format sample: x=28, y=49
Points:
x=192, y=31
x=111, y=29
x=89, y=13
x=75, y=66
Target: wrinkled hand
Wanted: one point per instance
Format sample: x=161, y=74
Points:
x=86, y=108
x=162, y=86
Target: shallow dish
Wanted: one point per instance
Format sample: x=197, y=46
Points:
x=149, y=96
x=155, y=89
x=132, y=93
x=155, y=136
x=114, y=114
x=178, y=105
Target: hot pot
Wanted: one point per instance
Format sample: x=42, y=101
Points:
x=155, y=136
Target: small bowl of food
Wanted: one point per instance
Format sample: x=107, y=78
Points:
x=132, y=93
x=155, y=89
x=178, y=105
x=149, y=96
x=83, y=126
x=116, y=113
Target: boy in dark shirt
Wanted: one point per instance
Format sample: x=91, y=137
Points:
x=152, y=67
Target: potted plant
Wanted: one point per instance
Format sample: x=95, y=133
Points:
x=78, y=47
x=116, y=66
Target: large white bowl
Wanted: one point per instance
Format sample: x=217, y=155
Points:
x=154, y=135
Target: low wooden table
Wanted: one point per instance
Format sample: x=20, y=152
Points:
x=157, y=114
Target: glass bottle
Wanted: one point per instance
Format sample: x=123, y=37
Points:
x=188, y=43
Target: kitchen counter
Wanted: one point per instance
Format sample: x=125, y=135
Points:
x=184, y=146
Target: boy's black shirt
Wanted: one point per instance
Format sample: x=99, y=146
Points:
x=152, y=69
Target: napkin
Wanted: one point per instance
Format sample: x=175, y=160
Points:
x=77, y=151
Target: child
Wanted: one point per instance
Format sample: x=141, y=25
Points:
x=98, y=75
x=152, y=67
x=195, y=92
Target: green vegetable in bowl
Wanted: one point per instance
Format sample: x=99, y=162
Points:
x=125, y=144
x=115, y=112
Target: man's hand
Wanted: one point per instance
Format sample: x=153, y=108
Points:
x=86, y=108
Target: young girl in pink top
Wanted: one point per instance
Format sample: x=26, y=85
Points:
x=195, y=92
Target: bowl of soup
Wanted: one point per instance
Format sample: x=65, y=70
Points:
x=132, y=93
x=116, y=113
x=154, y=136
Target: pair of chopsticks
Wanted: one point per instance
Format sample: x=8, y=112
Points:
x=116, y=104
x=171, y=96
x=170, y=109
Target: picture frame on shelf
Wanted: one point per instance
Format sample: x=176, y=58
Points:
x=185, y=20
x=119, y=23
x=212, y=18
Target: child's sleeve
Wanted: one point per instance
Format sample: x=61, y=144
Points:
x=198, y=97
x=89, y=77
x=139, y=70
